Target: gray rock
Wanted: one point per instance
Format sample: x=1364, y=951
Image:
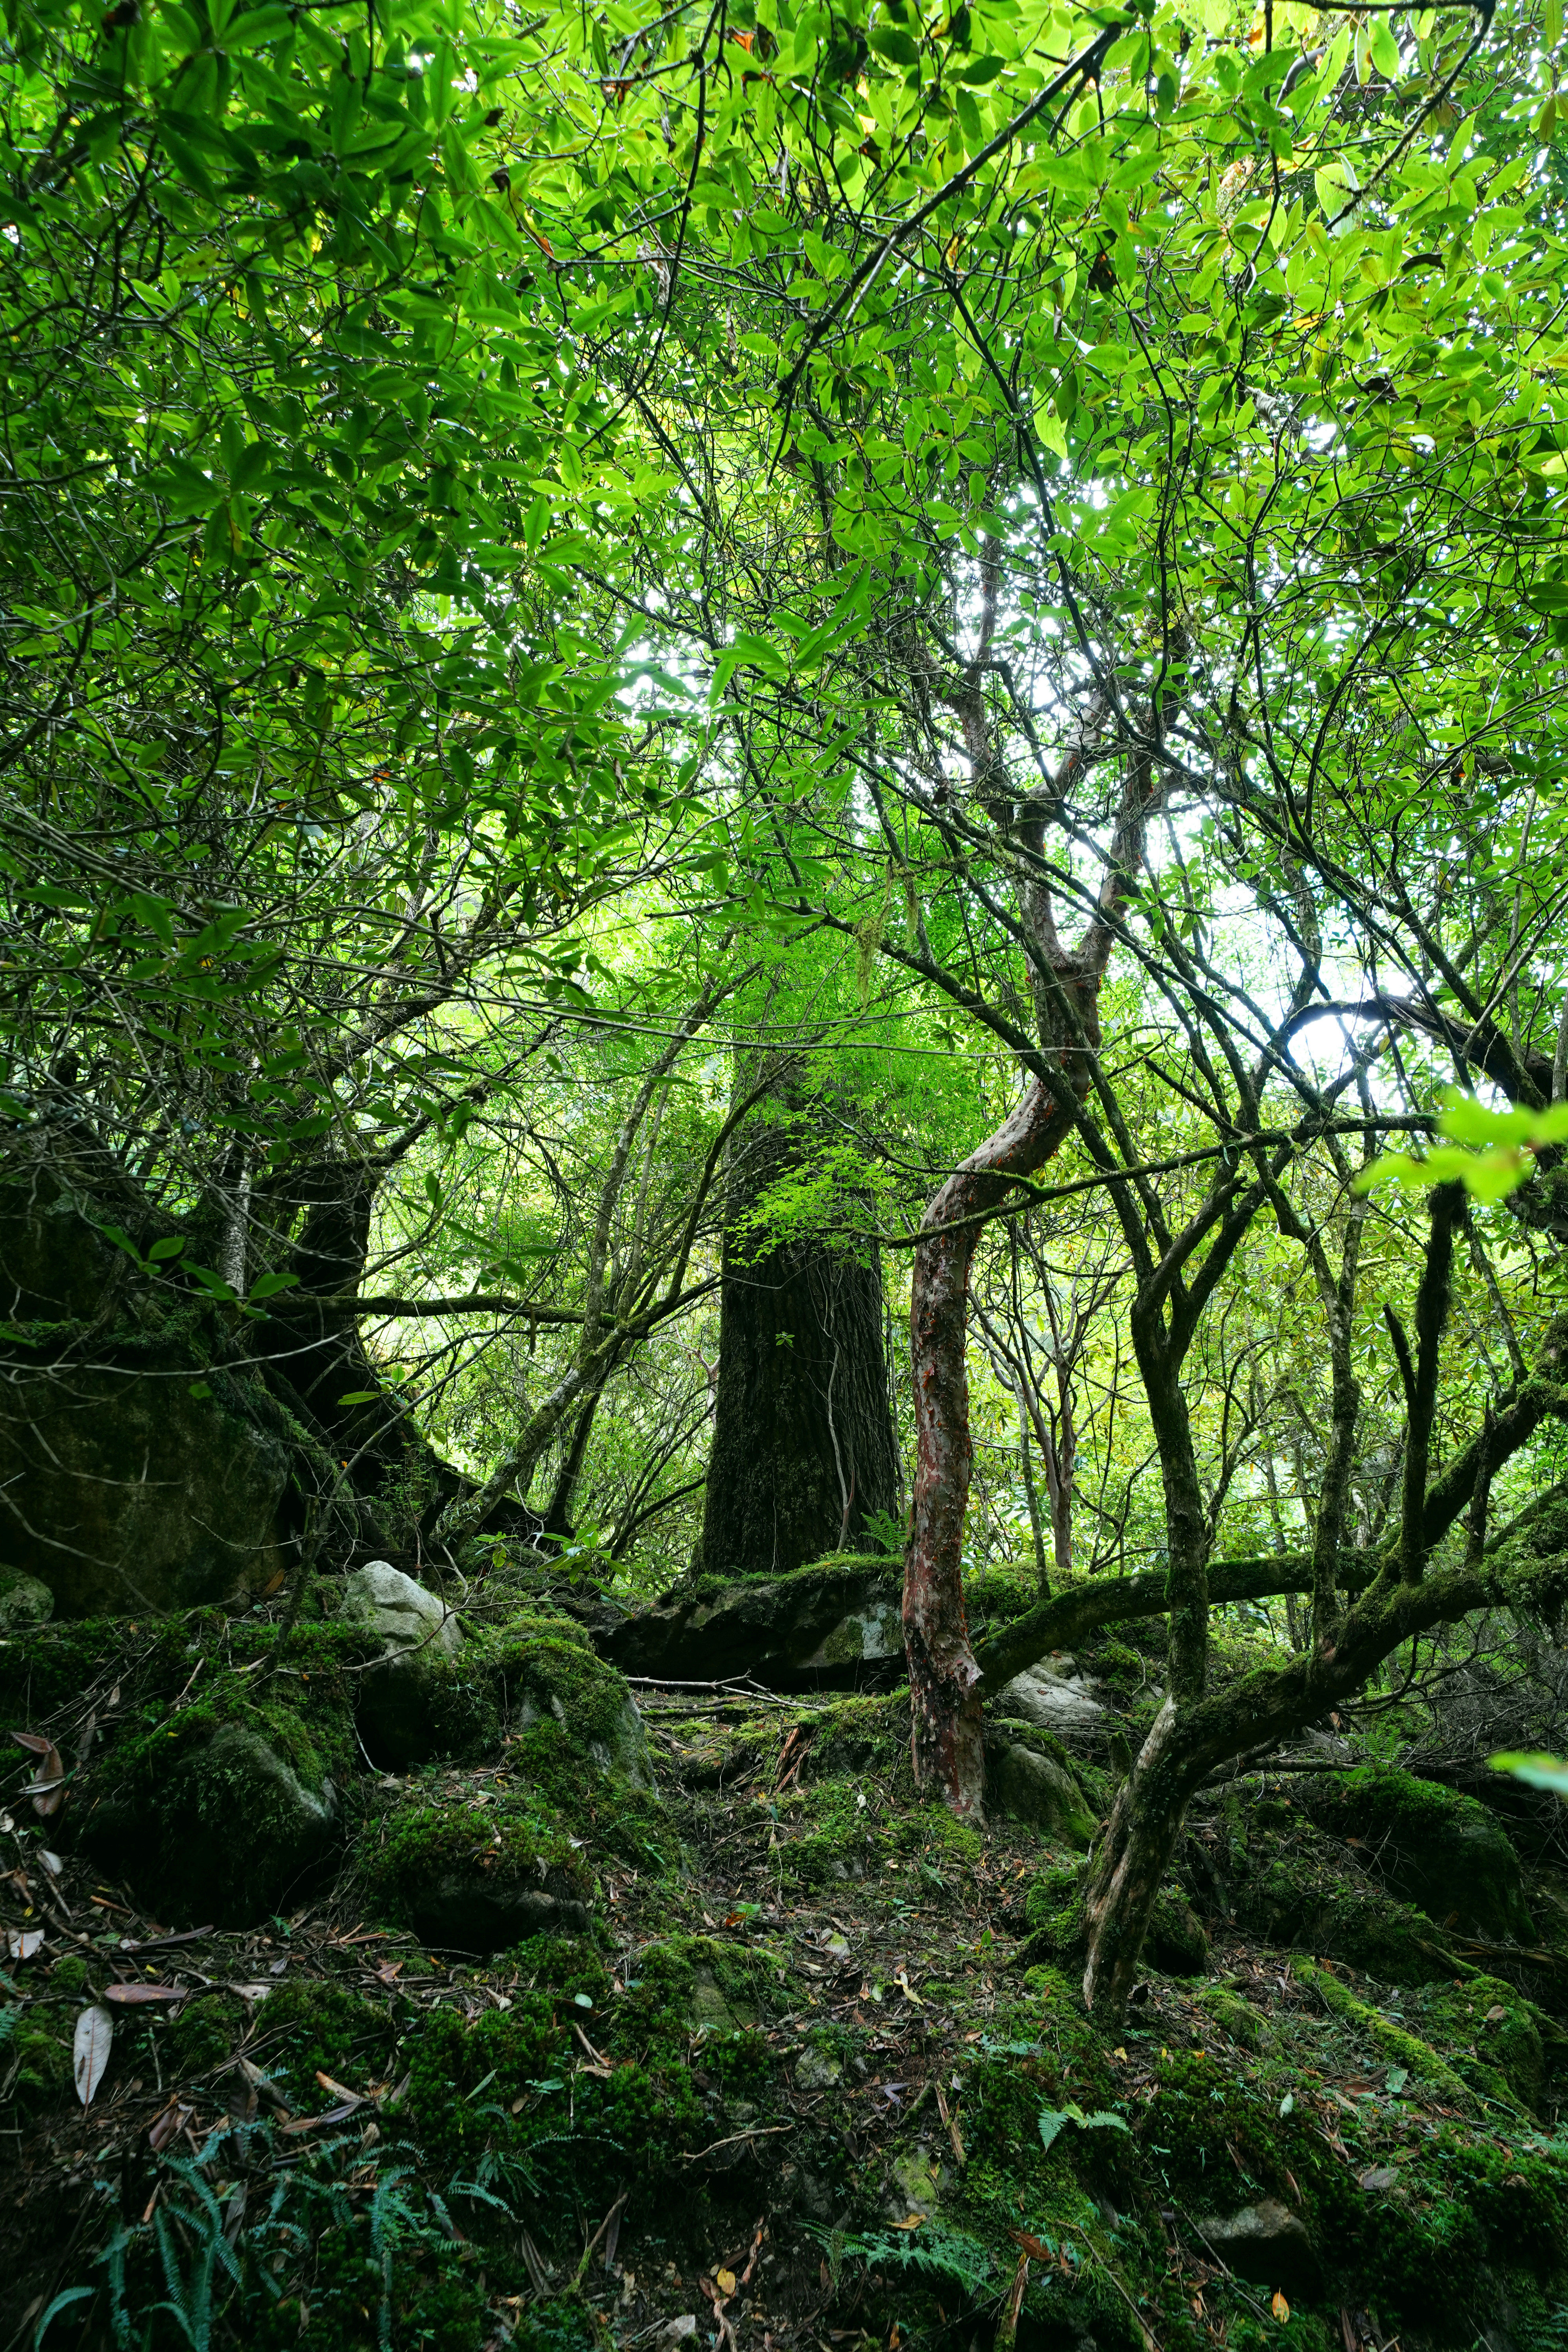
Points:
x=460, y=1912
x=418, y=1634
x=817, y=2070
x=710, y=2012
x=24, y=1601
x=408, y=1618
x=1055, y=1696
x=1036, y=1788
x=1266, y=2245
x=830, y=1626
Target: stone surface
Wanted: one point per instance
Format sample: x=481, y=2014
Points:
x=24, y=1601
x=1434, y=1847
x=1031, y=1786
x=230, y=1834
x=399, y=1717
x=817, y=2070
x=831, y=1626
x=1054, y=1695
x=405, y=1615
x=465, y=1912
x=1266, y=2245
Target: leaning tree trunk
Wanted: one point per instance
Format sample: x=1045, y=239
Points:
x=803, y=1454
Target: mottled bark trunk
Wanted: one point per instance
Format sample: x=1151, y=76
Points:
x=804, y=1452
x=944, y=1681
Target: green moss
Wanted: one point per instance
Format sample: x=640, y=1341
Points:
x=1236, y=2018
x=202, y=2034
x=1392, y=2041
x=842, y=1828
x=310, y=2026
x=475, y=1876
x=1437, y=1849
x=1492, y=2031
x=42, y=2063
x=68, y=1973
x=712, y=1586
x=1303, y=1895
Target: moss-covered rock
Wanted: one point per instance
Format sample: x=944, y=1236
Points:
x=1302, y=1891
x=201, y=2035
x=473, y=1876
x=1030, y=1777
x=308, y=2027
x=545, y=1673
x=1437, y=1849
x=833, y=1623
x=219, y=1815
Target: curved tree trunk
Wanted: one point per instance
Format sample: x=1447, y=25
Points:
x=803, y=1451
x=944, y=1681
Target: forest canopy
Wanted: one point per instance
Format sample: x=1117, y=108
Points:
x=898, y=670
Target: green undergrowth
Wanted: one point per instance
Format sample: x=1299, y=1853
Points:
x=711, y=1585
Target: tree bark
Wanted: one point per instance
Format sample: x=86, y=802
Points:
x=948, y=1734
x=804, y=1453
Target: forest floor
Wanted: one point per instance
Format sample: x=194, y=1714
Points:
x=821, y=2082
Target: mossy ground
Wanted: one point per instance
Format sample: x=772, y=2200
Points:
x=806, y=2042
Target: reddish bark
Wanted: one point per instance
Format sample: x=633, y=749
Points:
x=944, y=1681
x=947, y=1737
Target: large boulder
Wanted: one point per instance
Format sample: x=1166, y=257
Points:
x=1027, y=1781
x=832, y=1626
x=1266, y=2245
x=570, y=1716
x=135, y=1475
x=214, y=1822
x=1434, y=1847
x=1055, y=1697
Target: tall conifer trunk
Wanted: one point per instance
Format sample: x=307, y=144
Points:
x=804, y=1452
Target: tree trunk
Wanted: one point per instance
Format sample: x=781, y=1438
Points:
x=945, y=1682
x=804, y=1452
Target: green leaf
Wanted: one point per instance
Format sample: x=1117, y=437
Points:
x=269, y=1285
x=891, y=41
x=361, y=1396
x=1054, y=2121
x=1535, y=1771
x=168, y=1247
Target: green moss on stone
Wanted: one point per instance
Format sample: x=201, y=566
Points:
x=201, y=2035
x=311, y=2026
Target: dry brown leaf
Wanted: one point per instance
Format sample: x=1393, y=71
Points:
x=1279, y=2306
x=21, y=1943
x=89, y=2054
x=168, y=2125
x=46, y=1786
x=130, y=1996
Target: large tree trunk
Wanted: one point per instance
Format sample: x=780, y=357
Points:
x=804, y=1452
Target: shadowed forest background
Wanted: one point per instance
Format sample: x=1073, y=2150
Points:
x=783, y=1072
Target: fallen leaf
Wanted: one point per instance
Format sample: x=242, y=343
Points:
x=54, y=1866
x=1279, y=2306
x=94, y=2033
x=128, y=1996
x=726, y=2281
x=1496, y=2011
x=168, y=2125
x=46, y=1786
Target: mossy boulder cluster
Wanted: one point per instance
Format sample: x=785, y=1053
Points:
x=564, y=1964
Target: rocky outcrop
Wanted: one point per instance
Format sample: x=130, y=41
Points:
x=1263, y=2243
x=1429, y=1844
x=1054, y=1695
x=835, y=1626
